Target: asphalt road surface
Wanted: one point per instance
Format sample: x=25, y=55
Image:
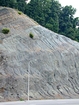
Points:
x=44, y=102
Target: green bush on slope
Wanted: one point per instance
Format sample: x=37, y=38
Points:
x=5, y=30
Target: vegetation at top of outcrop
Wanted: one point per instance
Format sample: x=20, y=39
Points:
x=50, y=14
x=19, y=12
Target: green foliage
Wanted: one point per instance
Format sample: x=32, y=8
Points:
x=5, y=30
x=45, y=12
x=19, y=12
x=17, y=4
x=50, y=14
x=21, y=5
x=67, y=22
x=21, y=99
x=31, y=35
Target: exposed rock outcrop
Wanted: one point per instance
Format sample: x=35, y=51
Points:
x=52, y=60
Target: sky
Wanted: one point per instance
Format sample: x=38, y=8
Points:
x=27, y=1
x=74, y=3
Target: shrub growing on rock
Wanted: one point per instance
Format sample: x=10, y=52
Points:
x=31, y=35
x=5, y=30
x=19, y=12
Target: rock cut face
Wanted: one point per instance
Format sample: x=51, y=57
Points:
x=51, y=59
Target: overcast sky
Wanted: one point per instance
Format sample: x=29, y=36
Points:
x=74, y=3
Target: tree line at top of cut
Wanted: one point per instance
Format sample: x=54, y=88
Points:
x=50, y=14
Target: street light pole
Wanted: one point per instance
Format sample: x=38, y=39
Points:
x=28, y=78
x=29, y=75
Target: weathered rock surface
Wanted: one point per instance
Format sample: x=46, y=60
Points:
x=53, y=60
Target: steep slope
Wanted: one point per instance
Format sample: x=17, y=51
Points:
x=52, y=60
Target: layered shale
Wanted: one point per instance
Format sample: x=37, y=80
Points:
x=51, y=59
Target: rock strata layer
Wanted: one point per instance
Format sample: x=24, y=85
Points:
x=51, y=59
